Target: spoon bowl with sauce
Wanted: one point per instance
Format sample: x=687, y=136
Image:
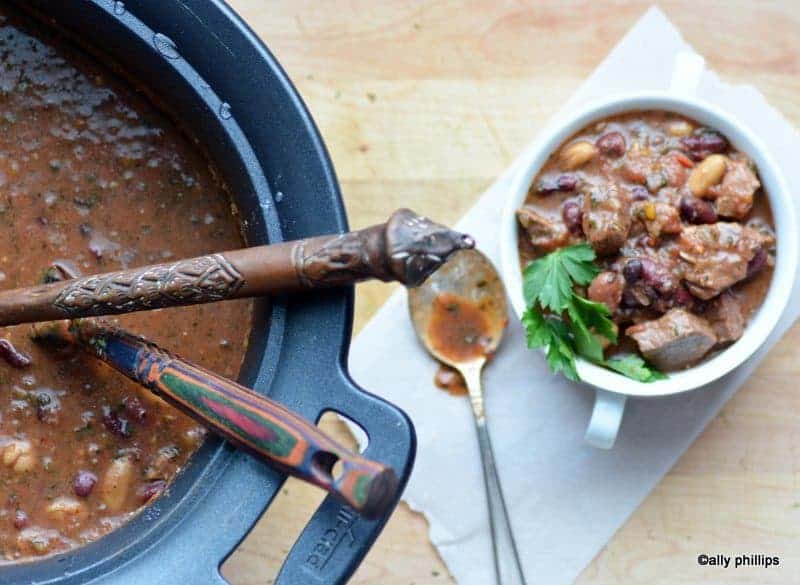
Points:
x=460, y=314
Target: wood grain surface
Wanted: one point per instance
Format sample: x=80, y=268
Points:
x=424, y=104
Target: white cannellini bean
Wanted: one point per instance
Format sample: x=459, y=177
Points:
x=707, y=174
x=65, y=507
x=18, y=455
x=576, y=155
x=116, y=483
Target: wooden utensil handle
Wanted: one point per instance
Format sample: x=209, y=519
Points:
x=283, y=438
x=407, y=248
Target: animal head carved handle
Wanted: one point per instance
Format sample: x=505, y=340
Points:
x=407, y=248
x=416, y=247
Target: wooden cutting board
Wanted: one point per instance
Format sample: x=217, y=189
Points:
x=423, y=104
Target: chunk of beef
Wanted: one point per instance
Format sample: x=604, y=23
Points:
x=715, y=257
x=734, y=194
x=674, y=341
x=544, y=234
x=726, y=317
x=675, y=167
x=658, y=218
x=606, y=218
x=607, y=288
x=636, y=166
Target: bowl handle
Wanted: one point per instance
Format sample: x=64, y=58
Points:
x=687, y=70
x=606, y=419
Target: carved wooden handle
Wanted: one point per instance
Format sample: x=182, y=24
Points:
x=262, y=426
x=407, y=248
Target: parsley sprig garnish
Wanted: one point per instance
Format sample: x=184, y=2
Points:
x=633, y=366
x=568, y=324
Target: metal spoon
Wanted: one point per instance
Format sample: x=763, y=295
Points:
x=469, y=275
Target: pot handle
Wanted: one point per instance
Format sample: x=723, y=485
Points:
x=606, y=419
x=336, y=539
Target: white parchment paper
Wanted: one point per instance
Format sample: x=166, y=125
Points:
x=566, y=499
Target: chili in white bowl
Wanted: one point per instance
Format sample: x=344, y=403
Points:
x=618, y=113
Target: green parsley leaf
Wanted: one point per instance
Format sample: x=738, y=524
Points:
x=568, y=324
x=593, y=317
x=578, y=261
x=586, y=343
x=548, y=280
x=552, y=333
x=545, y=284
x=633, y=366
x=536, y=331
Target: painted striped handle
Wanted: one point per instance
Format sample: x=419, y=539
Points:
x=281, y=437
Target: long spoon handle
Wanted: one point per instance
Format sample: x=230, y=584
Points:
x=506, y=558
x=273, y=432
x=507, y=566
x=407, y=248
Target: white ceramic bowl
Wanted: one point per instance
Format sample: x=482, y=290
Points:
x=609, y=405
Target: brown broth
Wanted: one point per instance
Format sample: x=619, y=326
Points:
x=458, y=329
x=450, y=380
x=91, y=174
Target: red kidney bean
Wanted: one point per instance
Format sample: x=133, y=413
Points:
x=697, y=211
x=703, y=143
x=116, y=424
x=757, y=262
x=14, y=357
x=639, y=193
x=657, y=276
x=83, y=483
x=150, y=490
x=682, y=297
x=21, y=520
x=612, y=144
x=572, y=214
x=134, y=408
x=632, y=271
x=563, y=184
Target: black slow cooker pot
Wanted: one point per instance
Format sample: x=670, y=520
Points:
x=218, y=79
